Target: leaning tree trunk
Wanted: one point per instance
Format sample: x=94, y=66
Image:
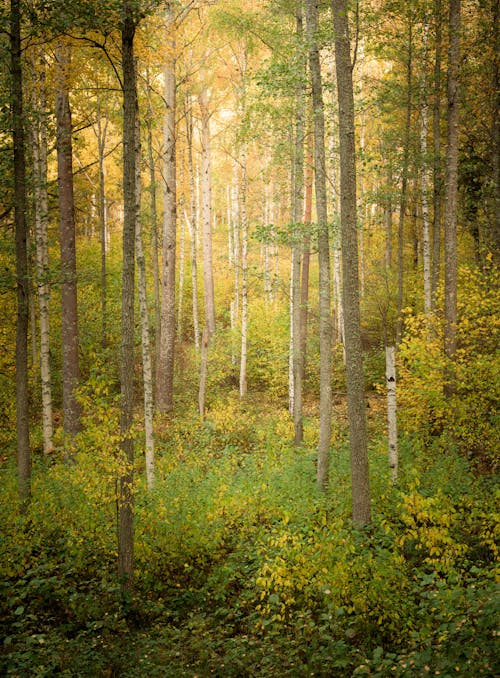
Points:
x=67, y=240
x=450, y=199
x=23, y=442
x=130, y=154
x=352, y=325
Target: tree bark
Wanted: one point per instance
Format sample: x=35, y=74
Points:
x=297, y=217
x=325, y=330
x=437, y=174
x=353, y=351
x=20, y=203
x=244, y=275
x=130, y=154
x=147, y=367
x=165, y=373
x=67, y=240
x=390, y=376
x=424, y=182
x=451, y=190
x=192, y=223
x=42, y=250
x=208, y=274
x=404, y=182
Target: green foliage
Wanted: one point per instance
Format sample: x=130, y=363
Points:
x=469, y=418
x=242, y=565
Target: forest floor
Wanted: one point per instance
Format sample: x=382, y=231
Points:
x=243, y=568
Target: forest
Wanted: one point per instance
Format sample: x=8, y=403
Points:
x=250, y=338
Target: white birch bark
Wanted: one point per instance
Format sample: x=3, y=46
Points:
x=147, y=364
x=42, y=255
x=390, y=375
x=244, y=278
x=208, y=276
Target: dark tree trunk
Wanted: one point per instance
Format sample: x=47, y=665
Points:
x=67, y=242
x=437, y=178
x=23, y=442
x=451, y=189
x=130, y=154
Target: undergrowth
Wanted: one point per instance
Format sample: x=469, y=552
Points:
x=244, y=569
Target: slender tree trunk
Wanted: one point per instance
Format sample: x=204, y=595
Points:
x=130, y=154
x=165, y=374
x=325, y=329
x=437, y=178
x=495, y=134
x=297, y=216
x=424, y=183
x=202, y=390
x=153, y=217
x=235, y=303
x=208, y=275
x=182, y=265
x=352, y=325
x=451, y=188
x=404, y=182
x=244, y=275
x=42, y=250
x=306, y=258
x=101, y=147
x=67, y=238
x=147, y=366
x=193, y=223
x=388, y=220
x=390, y=375
x=20, y=204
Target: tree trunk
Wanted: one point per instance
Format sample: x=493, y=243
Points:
x=101, y=147
x=451, y=188
x=325, y=329
x=437, y=178
x=388, y=220
x=208, y=274
x=67, y=239
x=495, y=135
x=297, y=217
x=193, y=224
x=202, y=390
x=147, y=367
x=390, y=376
x=130, y=154
x=244, y=275
x=404, y=183
x=20, y=204
x=353, y=351
x=153, y=216
x=165, y=374
x=42, y=249
x=424, y=183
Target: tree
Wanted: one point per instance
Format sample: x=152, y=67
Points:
x=353, y=351
x=165, y=366
x=22, y=411
x=67, y=242
x=325, y=329
x=451, y=190
x=130, y=193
